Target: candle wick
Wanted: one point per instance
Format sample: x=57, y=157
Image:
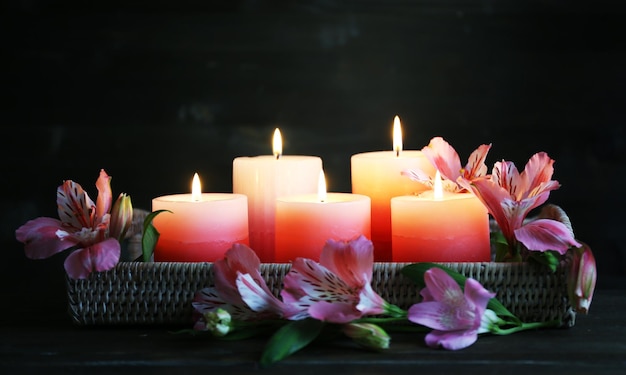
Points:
x=397, y=152
x=277, y=155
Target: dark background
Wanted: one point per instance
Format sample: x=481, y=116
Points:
x=155, y=91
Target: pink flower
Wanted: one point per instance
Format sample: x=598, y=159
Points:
x=239, y=289
x=455, y=316
x=83, y=227
x=510, y=196
x=446, y=160
x=338, y=289
x=582, y=277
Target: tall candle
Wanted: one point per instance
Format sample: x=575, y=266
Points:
x=438, y=226
x=264, y=178
x=200, y=226
x=305, y=222
x=378, y=175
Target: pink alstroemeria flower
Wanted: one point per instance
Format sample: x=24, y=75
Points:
x=582, y=277
x=239, y=289
x=456, y=317
x=83, y=227
x=510, y=196
x=338, y=288
x=446, y=160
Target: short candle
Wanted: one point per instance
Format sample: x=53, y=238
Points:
x=200, y=226
x=377, y=174
x=305, y=222
x=452, y=227
x=264, y=178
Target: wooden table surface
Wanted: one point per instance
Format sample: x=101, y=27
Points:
x=40, y=338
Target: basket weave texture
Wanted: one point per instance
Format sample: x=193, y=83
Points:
x=152, y=293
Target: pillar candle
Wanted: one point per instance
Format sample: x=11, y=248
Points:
x=200, y=226
x=451, y=227
x=377, y=174
x=305, y=222
x=264, y=178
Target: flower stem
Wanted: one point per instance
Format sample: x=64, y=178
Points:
x=524, y=327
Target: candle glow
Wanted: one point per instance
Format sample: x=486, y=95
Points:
x=196, y=189
x=397, y=136
x=277, y=144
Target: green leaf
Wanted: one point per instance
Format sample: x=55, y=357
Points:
x=415, y=272
x=501, y=246
x=150, y=235
x=289, y=339
x=546, y=258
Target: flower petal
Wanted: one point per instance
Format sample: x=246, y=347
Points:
x=451, y=340
x=335, y=312
x=442, y=286
x=444, y=157
x=546, y=234
x=257, y=297
x=74, y=206
x=475, y=166
x=99, y=257
x=352, y=261
x=538, y=170
x=477, y=295
x=40, y=239
x=238, y=259
x=105, y=196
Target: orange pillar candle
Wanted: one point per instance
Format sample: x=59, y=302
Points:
x=200, y=226
x=378, y=175
x=305, y=222
x=438, y=226
x=264, y=178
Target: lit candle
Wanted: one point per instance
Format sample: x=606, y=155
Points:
x=200, y=226
x=439, y=226
x=264, y=178
x=305, y=222
x=378, y=175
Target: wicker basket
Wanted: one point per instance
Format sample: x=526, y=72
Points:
x=161, y=293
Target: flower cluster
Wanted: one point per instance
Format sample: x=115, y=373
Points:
x=335, y=295
x=91, y=231
x=509, y=196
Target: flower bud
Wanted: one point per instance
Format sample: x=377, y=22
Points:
x=367, y=335
x=582, y=277
x=121, y=217
x=218, y=322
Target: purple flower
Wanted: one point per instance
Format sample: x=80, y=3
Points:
x=455, y=316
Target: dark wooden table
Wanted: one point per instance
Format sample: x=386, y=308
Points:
x=38, y=337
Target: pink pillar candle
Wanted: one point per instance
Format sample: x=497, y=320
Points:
x=377, y=174
x=454, y=228
x=199, y=230
x=304, y=223
x=264, y=178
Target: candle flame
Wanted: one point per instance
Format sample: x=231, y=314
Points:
x=397, y=136
x=438, y=186
x=196, y=189
x=277, y=144
x=321, y=187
